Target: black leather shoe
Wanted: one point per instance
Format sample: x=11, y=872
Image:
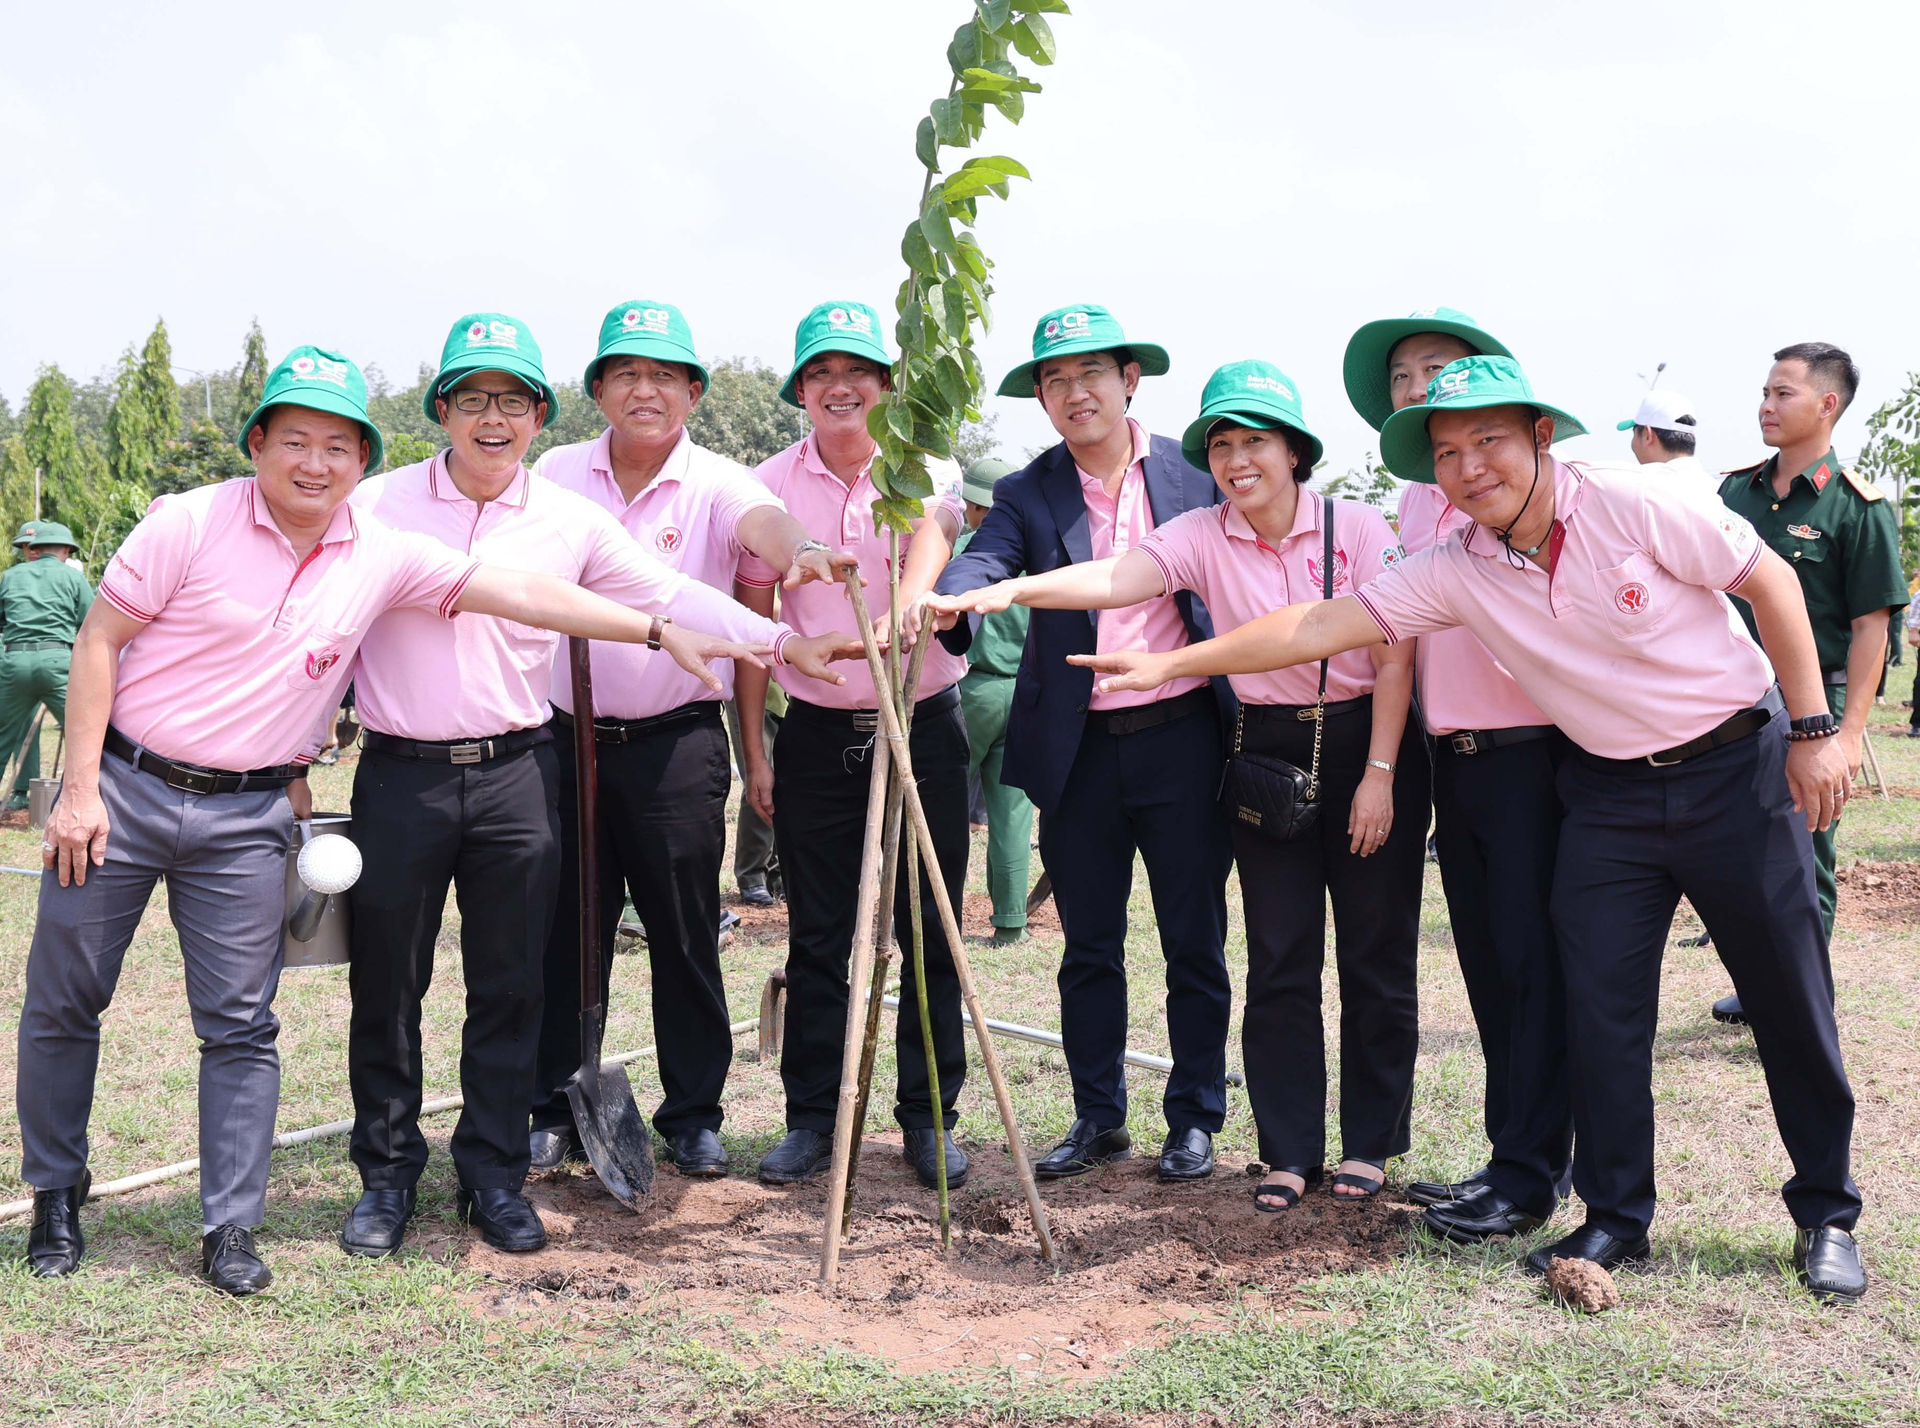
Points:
x=756, y=895
x=917, y=1151
x=801, y=1155
x=697, y=1153
x=55, y=1244
x=229, y=1262
x=377, y=1223
x=1438, y=1192
x=1481, y=1215
x=1729, y=1010
x=1086, y=1146
x=1705, y=939
x=1594, y=1244
x=551, y=1149
x=504, y=1218
x=1829, y=1265
x=1187, y=1155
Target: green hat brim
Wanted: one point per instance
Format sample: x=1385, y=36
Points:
x=1627, y=425
x=1368, y=350
x=1152, y=359
x=1193, y=443
x=832, y=342
x=48, y=533
x=646, y=347
x=320, y=400
x=1408, y=454
x=512, y=363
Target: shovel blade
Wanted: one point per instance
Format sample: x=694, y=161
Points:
x=616, y=1138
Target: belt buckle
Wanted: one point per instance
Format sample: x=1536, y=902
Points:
x=467, y=753
x=1465, y=741
x=866, y=721
x=1307, y=714
x=1657, y=762
x=187, y=781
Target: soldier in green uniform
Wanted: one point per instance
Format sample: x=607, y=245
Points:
x=986, y=698
x=1839, y=534
x=42, y=602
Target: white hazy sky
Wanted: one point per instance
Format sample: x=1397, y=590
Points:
x=1606, y=186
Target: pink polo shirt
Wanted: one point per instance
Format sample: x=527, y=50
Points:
x=842, y=516
x=1115, y=525
x=1628, y=645
x=1462, y=686
x=687, y=518
x=420, y=678
x=246, y=648
x=1221, y=558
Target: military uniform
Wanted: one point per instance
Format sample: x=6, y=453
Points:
x=986, y=700
x=1842, y=540
x=42, y=603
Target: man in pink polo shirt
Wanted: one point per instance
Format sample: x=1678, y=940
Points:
x=461, y=782
x=1114, y=774
x=663, y=760
x=1600, y=592
x=227, y=625
x=817, y=796
x=1496, y=825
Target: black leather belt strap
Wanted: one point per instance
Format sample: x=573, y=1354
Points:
x=1830, y=676
x=26, y=645
x=457, y=751
x=1148, y=716
x=1302, y=713
x=191, y=778
x=867, y=721
x=1728, y=731
x=1482, y=741
x=627, y=731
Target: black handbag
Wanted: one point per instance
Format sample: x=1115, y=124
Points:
x=1268, y=795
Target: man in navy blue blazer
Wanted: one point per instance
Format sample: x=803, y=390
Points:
x=1113, y=775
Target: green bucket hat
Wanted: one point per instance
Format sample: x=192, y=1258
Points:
x=644, y=328
x=45, y=533
x=1256, y=394
x=1081, y=327
x=327, y=382
x=850, y=327
x=977, y=484
x=1370, y=347
x=1461, y=386
x=490, y=342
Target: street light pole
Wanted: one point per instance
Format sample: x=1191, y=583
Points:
x=205, y=380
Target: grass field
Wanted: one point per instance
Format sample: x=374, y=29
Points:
x=1715, y=1333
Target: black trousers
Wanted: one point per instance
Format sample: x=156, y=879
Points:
x=492, y=830
x=819, y=823
x=1285, y=888
x=1154, y=792
x=1721, y=830
x=663, y=834
x=1497, y=817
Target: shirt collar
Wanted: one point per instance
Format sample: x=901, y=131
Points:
x=1142, y=446
x=810, y=461
x=341, y=528
x=440, y=483
x=675, y=468
x=1306, y=519
x=1569, y=486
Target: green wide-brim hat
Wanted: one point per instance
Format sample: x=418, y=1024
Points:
x=324, y=381
x=490, y=342
x=645, y=328
x=45, y=533
x=1081, y=327
x=1252, y=393
x=1461, y=386
x=850, y=327
x=976, y=484
x=1369, y=349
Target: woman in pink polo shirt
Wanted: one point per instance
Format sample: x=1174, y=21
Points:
x=1265, y=547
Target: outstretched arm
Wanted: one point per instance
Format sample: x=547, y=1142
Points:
x=1098, y=585
x=1293, y=634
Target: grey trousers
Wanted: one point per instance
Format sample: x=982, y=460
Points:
x=224, y=857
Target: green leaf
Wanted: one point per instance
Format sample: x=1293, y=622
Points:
x=877, y=422
x=1000, y=164
x=912, y=478
x=964, y=185
x=918, y=254
x=1012, y=105
x=899, y=420
x=994, y=13
x=933, y=439
x=1051, y=7
x=953, y=383
x=936, y=308
x=968, y=258
x=964, y=52
x=898, y=512
x=948, y=122
x=997, y=81
x=955, y=302
x=1033, y=37
x=909, y=329
x=926, y=145
x=938, y=229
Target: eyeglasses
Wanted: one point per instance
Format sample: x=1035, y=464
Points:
x=513, y=404
x=1060, y=384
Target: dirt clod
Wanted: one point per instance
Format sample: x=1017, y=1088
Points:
x=1582, y=1284
x=1882, y=893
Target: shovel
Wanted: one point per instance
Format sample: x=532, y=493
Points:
x=616, y=1139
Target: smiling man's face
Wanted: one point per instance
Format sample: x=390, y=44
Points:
x=1483, y=459
x=646, y=399
x=1086, y=395
x=307, y=462
x=491, y=443
x=838, y=389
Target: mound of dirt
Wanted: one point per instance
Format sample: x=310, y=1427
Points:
x=1136, y=1260
x=1881, y=893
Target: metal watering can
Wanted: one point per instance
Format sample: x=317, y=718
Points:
x=319, y=872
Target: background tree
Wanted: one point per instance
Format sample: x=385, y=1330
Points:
x=145, y=416
x=250, y=382
x=1891, y=460
x=16, y=490
x=1372, y=484
x=52, y=445
x=9, y=425
x=741, y=415
x=976, y=441
x=207, y=455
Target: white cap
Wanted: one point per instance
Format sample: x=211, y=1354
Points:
x=1662, y=411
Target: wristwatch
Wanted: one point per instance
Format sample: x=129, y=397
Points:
x=1814, y=726
x=807, y=545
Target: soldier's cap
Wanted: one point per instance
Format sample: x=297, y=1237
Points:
x=1460, y=386
x=490, y=342
x=325, y=381
x=977, y=484
x=1252, y=393
x=1080, y=327
x=849, y=327
x=1369, y=349
x=1663, y=412
x=646, y=327
x=45, y=533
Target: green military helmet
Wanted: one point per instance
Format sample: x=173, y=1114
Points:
x=45, y=533
x=976, y=485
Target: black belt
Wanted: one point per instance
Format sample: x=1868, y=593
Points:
x=626, y=731
x=457, y=751
x=26, y=645
x=191, y=778
x=1485, y=741
x=1148, y=716
x=1827, y=676
x=1731, y=730
x=867, y=721
x=1303, y=713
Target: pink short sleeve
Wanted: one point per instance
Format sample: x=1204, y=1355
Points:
x=152, y=560
x=1411, y=598
x=753, y=570
x=735, y=495
x=1698, y=540
x=1176, y=547
x=1369, y=543
x=424, y=573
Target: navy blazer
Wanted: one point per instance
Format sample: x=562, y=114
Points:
x=1038, y=523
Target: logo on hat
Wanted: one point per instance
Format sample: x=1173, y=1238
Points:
x=630, y=318
x=855, y=318
x=477, y=332
x=1268, y=384
x=1632, y=598
x=1068, y=324
x=1453, y=384
x=668, y=541
x=302, y=366
x=325, y=369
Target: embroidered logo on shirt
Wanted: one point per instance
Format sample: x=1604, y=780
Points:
x=1804, y=532
x=856, y=320
x=1339, y=570
x=320, y=662
x=1821, y=477
x=121, y=561
x=668, y=540
x=1632, y=598
x=1065, y=325
x=1392, y=555
x=493, y=334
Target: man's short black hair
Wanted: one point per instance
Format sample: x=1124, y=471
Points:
x=1674, y=443
x=1827, y=365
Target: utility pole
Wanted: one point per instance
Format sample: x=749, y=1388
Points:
x=205, y=380
x=36, y=493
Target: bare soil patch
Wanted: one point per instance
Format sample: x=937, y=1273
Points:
x=1138, y=1260
x=1882, y=893
x=761, y=925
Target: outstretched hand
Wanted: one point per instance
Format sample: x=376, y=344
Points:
x=988, y=600
x=1126, y=669
x=827, y=566
x=692, y=651
x=814, y=657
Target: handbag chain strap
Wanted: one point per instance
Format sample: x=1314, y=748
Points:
x=1320, y=707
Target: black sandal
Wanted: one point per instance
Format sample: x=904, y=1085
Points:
x=1367, y=1188
x=1286, y=1194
